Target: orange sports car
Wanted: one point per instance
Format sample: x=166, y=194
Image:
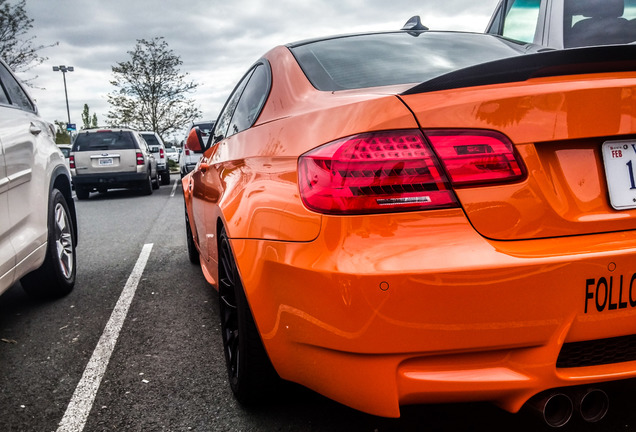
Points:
x=421, y=217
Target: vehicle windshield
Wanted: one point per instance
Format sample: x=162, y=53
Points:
x=151, y=139
x=373, y=60
x=105, y=140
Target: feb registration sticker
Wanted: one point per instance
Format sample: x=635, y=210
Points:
x=619, y=158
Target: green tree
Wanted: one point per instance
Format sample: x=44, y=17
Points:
x=61, y=134
x=151, y=91
x=16, y=48
x=87, y=120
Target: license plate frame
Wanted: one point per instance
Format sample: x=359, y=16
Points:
x=105, y=161
x=619, y=159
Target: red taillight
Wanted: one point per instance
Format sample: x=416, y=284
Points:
x=71, y=161
x=473, y=157
x=187, y=152
x=140, y=158
x=161, y=153
x=374, y=173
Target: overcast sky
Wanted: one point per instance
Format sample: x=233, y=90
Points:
x=217, y=40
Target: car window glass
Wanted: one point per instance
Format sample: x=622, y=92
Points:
x=521, y=20
x=109, y=140
x=15, y=92
x=363, y=61
x=630, y=10
x=151, y=139
x=592, y=22
x=3, y=96
x=251, y=101
x=222, y=125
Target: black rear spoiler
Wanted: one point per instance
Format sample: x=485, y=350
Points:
x=612, y=58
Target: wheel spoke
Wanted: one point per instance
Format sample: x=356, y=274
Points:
x=63, y=241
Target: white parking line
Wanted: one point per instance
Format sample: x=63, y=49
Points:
x=174, y=188
x=81, y=403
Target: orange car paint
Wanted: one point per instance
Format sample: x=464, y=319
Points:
x=429, y=306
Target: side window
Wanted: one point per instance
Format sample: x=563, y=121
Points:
x=16, y=95
x=251, y=101
x=3, y=96
x=222, y=125
x=521, y=20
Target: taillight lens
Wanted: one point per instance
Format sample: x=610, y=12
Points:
x=161, y=154
x=374, y=173
x=187, y=152
x=71, y=161
x=140, y=158
x=473, y=157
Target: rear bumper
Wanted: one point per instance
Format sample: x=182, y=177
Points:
x=383, y=311
x=110, y=180
x=163, y=168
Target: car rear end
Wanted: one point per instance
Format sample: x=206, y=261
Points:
x=158, y=149
x=107, y=158
x=477, y=251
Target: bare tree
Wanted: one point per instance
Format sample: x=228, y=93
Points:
x=16, y=48
x=151, y=91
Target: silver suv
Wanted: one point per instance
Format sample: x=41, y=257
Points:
x=103, y=159
x=38, y=224
x=158, y=150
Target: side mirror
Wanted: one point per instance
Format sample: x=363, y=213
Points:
x=195, y=140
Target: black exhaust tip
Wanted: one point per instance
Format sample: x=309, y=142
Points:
x=594, y=405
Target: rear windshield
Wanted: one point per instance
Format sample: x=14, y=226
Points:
x=106, y=140
x=374, y=60
x=151, y=139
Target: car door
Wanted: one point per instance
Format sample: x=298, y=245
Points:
x=7, y=254
x=19, y=209
x=239, y=113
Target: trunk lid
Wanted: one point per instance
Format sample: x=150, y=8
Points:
x=559, y=125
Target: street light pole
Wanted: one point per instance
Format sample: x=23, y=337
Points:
x=65, y=69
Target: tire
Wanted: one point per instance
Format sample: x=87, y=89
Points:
x=165, y=178
x=250, y=373
x=155, y=183
x=146, y=186
x=82, y=192
x=193, y=253
x=56, y=277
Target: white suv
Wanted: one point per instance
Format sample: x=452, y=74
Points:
x=103, y=159
x=38, y=225
x=158, y=150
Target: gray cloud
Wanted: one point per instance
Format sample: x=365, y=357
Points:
x=216, y=40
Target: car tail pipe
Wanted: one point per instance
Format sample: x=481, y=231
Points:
x=556, y=408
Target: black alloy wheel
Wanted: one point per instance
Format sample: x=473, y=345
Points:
x=250, y=372
x=193, y=253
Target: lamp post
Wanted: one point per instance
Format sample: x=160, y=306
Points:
x=65, y=69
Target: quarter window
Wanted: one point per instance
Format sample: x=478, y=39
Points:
x=521, y=20
x=13, y=90
x=222, y=125
x=251, y=101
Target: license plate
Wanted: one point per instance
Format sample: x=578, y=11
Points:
x=105, y=161
x=619, y=158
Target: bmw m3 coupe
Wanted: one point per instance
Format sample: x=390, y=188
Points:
x=419, y=217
